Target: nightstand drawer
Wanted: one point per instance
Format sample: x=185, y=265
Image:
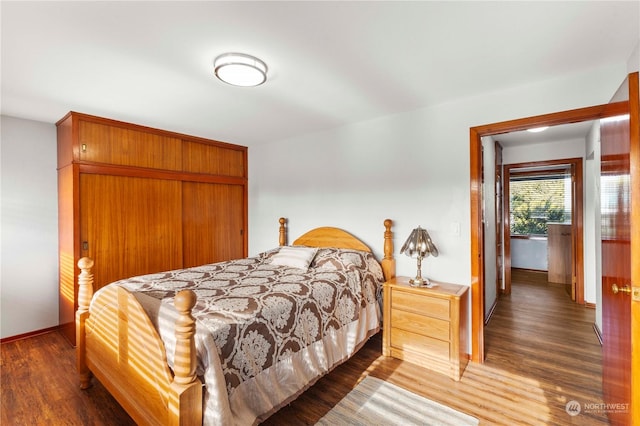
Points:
x=420, y=324
x=420, y=304
x=412, y=342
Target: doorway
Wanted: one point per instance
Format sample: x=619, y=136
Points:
x=550, y=229
x=476, y=197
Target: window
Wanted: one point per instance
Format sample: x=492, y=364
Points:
x=536, y=200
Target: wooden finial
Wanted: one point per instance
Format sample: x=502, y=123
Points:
x=388, y=239
x=185, y=399
x=185, y=300
x=85, y=263
x=85, y=284
x=283, y=231
x=185, y=355
x=388, y=262
x=85, y=293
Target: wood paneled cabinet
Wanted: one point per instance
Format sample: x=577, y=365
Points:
x=139, y=200
x=427, y=326
x=559, y=253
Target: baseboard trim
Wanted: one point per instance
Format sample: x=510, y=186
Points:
x=27, y=335
x=596, y=330
x=490, y=314
x=543, y=271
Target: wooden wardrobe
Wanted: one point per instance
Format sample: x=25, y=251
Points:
x=139, y=200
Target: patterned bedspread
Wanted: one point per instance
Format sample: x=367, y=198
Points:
x=266, y=332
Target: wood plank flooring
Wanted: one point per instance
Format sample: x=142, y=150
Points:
x=541, y=353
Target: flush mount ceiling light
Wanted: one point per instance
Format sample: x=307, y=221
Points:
x=538, y=129
x=239, y=69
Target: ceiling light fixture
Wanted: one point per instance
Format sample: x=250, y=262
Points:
x=538, y=129
x=239, y=69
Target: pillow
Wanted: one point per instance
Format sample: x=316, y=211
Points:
x=294, y=257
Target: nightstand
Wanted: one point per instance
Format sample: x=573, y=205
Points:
x=427, y=326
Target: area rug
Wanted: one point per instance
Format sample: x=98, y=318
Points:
x=375, y=402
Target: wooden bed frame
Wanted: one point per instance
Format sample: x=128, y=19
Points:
x=125, y=353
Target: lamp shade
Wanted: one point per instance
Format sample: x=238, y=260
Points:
x=239, y=69
x=420, y=244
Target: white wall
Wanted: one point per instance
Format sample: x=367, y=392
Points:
x=572, y=148
x=489, y=203
x=529, y=253
x=633, y=64
x=29, y=227
x=592, y=225
x=356, y=176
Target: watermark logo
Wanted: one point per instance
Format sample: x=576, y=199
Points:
x=573, y=408
x=614, y=407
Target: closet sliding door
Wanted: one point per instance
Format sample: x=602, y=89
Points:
x=213, y=222
x=130, y=226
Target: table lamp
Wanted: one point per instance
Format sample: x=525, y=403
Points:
x=419, y=244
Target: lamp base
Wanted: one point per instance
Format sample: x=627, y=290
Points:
x=420, y=282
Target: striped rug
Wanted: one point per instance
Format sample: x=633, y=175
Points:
x=375, y=402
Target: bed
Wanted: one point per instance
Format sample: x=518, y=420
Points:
x=207, y=345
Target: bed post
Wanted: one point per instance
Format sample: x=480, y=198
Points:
x=85, y=293
x=283, y=231
x=388, y=262
x=185, y=406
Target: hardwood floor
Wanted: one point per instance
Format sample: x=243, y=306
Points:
x=541, y=353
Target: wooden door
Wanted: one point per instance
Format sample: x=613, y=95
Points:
x=213, y=222
x=620, y=225
x=130, y=226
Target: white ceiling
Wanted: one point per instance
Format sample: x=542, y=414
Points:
x=330, y=63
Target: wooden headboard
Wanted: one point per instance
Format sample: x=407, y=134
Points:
x=328, y=236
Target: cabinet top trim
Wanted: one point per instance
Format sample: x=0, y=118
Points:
x=138, y=127
x=140, y=172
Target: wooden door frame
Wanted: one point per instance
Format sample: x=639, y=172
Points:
x=502, y=221
x=577, y=216
x=477, y=232
x=634, y=157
